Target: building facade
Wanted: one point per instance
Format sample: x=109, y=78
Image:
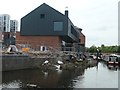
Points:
x=5, y=23
x=82, y=42
x=13, y=25
x=13, y=29
x=47, y=26
x=8, y=28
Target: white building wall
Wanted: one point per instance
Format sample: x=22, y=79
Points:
x=5, y=23
x=1, y=24
x=13, y=25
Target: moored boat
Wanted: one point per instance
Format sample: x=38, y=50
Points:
x=112, y=59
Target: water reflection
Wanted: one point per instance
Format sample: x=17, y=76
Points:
x=50, y=79
x=13, y=84
x=99, y=76
x=114, y=68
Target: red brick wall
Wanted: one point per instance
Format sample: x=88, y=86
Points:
x=49, y=41
x=82, y=38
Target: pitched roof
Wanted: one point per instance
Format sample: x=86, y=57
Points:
x=46, y=5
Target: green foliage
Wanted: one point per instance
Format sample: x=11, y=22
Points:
x=104, y=49
x=118, y=50
x=92, y=49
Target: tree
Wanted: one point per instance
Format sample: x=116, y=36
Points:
x=104, y=49
x=92, y=49
x=118, y=50
x=102, y=46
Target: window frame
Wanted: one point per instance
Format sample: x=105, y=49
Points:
x=57, y=27
x=42, y=16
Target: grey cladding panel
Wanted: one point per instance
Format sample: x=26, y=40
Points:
x=41, y=22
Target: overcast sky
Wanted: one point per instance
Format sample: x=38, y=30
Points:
x=97, y=18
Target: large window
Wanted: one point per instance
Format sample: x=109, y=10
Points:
x=74, y=32
x=58, y=26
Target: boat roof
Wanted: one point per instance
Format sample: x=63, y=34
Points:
x=115, y=55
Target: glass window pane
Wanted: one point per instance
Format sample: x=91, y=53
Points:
x=58, y=26
x=42, y=16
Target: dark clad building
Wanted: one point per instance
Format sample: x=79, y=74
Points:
x=47, y=26
x=45, y=20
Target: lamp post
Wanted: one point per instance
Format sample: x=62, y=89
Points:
x=97, y=53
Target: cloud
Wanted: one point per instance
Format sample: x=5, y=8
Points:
x=106, y=28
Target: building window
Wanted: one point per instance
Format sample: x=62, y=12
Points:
x=4, y=17
x=42, y=16
x=74, y=32
x=4, y=29
x=58, y=26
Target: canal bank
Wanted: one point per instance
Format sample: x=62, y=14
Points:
x=20, y=61
x=17, y=62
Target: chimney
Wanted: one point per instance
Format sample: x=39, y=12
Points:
x=66, y=13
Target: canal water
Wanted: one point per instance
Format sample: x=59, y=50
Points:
x=99, y=76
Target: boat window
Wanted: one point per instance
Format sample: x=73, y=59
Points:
x=117, y=59
x=110, y=59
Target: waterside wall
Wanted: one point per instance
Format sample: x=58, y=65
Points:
x=15, y=62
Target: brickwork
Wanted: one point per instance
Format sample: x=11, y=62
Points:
x=82, y=39
x=34, y=41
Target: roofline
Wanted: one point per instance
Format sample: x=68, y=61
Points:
x=46, y=5
x=82, y=34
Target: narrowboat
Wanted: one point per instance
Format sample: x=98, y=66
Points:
x=112, y=59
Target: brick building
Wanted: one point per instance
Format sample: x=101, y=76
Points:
x=45, y=26
x=82, y=42
x=37, y=41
